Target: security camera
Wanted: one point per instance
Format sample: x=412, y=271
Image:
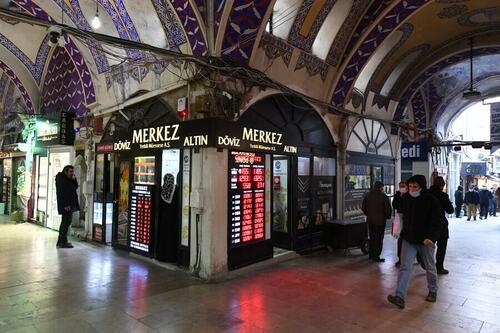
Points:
x=55, y=33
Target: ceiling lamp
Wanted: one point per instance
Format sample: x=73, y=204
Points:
x=471, y=94
x=96, y=21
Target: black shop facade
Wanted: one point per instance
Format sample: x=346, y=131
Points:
x=280, y=185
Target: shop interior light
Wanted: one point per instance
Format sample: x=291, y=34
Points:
x=491, y=100
x=96, y=21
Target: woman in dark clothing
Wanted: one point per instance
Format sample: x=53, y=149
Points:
x=445, y=207
x=459, y=200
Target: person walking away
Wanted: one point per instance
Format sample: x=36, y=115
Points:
x=421, y=228
x=437, y=190
x=67, y=202
x=377, y=208
x=497, y=193
x=397, y=204
x=471, y=201
x=493, y=203
x=484, y=202
x=459, y=200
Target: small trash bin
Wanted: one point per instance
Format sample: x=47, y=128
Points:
x=347, y=234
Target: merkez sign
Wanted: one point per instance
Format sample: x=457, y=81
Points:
x=414, y=151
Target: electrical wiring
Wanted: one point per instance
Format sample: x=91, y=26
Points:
x=219, y=65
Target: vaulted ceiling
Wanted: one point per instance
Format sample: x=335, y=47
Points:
x=361, y=54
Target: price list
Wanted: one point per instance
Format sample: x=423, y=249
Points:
x=247, y=197
x=140, y=217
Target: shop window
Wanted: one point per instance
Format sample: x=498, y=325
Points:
x=144, y=172
x=324, y=190
x=303, y=194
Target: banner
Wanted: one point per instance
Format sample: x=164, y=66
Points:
x=495, y=125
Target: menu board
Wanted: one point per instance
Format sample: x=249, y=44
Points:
x=247, y=188
x=140, y=217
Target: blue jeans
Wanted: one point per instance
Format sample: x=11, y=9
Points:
x=408, y=254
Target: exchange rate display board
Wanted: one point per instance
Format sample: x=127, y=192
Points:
x=247, y=186
x=140, y=217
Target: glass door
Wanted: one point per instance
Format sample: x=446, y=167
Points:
x=122, y=203
x=280, y=202
x=103, y=198
x=57, y=161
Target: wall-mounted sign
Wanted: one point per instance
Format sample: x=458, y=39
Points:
x=66, y=129
x=414, y=151
x=140, y=217
x=203, y=133
x=47, y=132
x=473, y=169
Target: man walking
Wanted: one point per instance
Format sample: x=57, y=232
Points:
x=421, y=228
x=377, y=208
x=484, y=202
x=67, y=202
x=437, y=190
x=471, y=201
x=459, y=200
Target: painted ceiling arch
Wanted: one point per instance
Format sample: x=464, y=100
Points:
x=19, y=85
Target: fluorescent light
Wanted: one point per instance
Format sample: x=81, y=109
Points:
x=491, y=100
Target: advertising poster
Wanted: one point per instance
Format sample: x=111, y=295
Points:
x=280, y=195
x=123, y=201
x=357, y=184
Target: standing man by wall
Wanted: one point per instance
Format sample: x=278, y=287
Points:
x=67, y=202
x=484, y=202
x=377, y=208
x=459, y=200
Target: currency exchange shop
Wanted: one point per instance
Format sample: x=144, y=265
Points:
x=168, y=189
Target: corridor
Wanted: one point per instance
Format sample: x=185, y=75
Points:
x=97, y=289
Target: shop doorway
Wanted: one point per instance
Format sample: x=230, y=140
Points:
x=57, y=161
x=281, y=202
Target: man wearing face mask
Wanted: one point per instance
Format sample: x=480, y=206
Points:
x=422, y=226
x=377, y=208
x=397, y=204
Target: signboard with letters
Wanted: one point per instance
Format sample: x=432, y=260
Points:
x=473, y=169
x=202, y=133
x=495, y=125
x=414, y=151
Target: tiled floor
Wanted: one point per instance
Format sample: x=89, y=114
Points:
x=92, y=288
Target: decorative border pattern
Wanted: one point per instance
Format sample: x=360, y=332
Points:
x=275, y=47
x=13, y=77
x=377, y=35
x=346, y=30
x=9, y=105
x=4, y=80
x=419, y=111
x=192, y=27
x=430, y=71
x=313, y=65
x=295, y=38
x=452, y=11
x=242, y=28
x=173, y=30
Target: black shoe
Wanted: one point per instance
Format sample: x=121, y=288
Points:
x=432, y=297
x=65, y=246
x=442, y=271
x=397, y=301
x=468, y=219
x=475, y=219
x=398, y=263
x=378, y=260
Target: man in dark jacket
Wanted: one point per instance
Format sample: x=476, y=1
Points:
x=484, y=202
x=471, y=201
x=446, y=207
x=377, y=208
x=459, y=200
x=67, y=202
x=421, y=228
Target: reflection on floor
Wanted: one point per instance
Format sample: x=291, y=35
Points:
x=92, y=288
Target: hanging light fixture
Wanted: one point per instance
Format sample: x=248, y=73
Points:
x=96, y=21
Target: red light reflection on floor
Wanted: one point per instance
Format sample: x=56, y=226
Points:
x=250, y=307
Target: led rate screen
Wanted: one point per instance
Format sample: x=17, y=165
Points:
x=247, y=188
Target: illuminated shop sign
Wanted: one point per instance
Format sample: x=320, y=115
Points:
x=247, y=197
x=140, y=217
x=202, y=133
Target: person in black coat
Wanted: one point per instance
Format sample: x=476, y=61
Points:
x=459, y=200
x=67, y=202
x=446, y=207
x=377, y=208
x=421, y=228
x=484, y=202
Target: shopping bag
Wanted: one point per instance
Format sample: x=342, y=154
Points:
x=397, y=225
